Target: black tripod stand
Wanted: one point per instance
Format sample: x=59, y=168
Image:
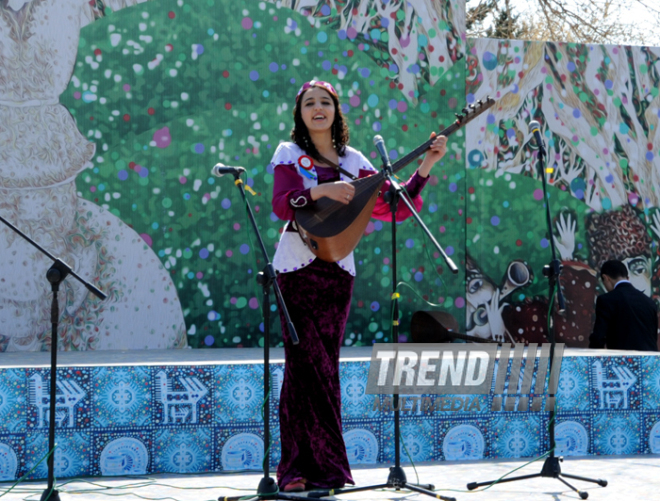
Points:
x=267, y=488
x=551, y=467
x=397, y=477
x=55, y=275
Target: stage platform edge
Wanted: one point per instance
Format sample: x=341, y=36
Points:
x=197, y=411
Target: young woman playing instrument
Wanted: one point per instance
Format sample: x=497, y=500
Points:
x=319, y=163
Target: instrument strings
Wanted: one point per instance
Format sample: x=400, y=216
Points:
x=368, y=184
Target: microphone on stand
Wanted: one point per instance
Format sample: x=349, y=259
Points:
x=535, y=127
x=380, y=146
x=221, y=169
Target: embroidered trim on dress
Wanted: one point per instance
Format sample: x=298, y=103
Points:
x=296, y=203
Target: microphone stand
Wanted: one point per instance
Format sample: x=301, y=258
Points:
x=552, y=271
x=397, y=478
x=267, y=488
x=55, y=275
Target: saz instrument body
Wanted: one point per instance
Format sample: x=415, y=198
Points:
x=332, y=229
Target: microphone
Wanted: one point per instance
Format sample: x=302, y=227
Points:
x=380, y=146
x=221, y=169
x=535, y=127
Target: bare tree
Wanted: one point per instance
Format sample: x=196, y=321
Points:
x=582, y=21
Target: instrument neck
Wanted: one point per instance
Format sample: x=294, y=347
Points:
x=422, y=148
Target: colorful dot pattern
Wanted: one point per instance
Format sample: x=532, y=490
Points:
x=175, y=90
x=165, y=102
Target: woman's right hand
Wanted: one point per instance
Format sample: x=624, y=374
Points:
x=339, y=191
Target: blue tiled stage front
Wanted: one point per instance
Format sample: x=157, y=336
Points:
x=134, y=413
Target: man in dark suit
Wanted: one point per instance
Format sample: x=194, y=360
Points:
x=626, y=319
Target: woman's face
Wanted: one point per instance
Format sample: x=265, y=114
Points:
x=317, y=110
x=639, y=273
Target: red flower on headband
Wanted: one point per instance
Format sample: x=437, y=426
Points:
x=316, y=83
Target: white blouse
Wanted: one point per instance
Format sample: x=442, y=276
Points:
x=292, y=253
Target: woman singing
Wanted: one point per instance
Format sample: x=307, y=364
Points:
x=319, y=163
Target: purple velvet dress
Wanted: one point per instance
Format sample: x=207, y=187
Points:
x=318, y=299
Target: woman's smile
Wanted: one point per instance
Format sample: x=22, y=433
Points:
x=318, y=110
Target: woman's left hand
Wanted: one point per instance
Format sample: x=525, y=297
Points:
x=437, y=150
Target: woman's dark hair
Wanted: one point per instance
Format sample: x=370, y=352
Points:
x=339, y=129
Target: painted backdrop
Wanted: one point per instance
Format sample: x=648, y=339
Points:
x=107, y=151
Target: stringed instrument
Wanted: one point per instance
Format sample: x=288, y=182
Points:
x=332, y=229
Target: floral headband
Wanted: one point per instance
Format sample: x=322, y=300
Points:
x=316, y=83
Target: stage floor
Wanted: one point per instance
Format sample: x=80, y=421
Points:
x=628, y=478
x=211, y=356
